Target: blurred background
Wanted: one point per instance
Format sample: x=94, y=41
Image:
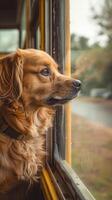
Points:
x=91, y=61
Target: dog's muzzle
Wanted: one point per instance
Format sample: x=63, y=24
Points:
x=74, y=89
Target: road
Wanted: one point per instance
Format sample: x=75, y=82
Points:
x=97, y=112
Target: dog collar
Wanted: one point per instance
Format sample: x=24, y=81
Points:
x=5, y=129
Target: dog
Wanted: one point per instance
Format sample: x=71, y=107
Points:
x=30, y=88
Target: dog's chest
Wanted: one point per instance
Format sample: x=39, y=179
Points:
x=23, y=159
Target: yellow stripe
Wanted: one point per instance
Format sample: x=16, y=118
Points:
x=68, y=72
x=48, y=187
x=45, y=190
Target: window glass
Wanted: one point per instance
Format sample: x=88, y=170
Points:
x=91, y=61
x=23, y=25
x=8, y=40
x=38, y=37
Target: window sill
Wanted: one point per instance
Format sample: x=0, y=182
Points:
x=61, y=182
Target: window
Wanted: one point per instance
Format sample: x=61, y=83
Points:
x=23, y=25
x=49, y=31
x=66, y=181
x=9, y=40
x=91, y=61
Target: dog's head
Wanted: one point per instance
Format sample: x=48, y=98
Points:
x=33, y=76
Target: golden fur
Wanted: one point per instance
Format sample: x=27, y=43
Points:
x=27, y=97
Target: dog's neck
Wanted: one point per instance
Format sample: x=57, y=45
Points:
x=29, y=123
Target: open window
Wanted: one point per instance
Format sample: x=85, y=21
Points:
x=50, y=31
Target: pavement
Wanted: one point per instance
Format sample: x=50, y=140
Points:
x=100, y=112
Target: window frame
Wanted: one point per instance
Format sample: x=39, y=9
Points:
x=22, y=40
x=58, y=179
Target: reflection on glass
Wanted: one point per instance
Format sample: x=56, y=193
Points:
x=23, y=25
x=91, y=61
x=38, y=38
x=8, y=40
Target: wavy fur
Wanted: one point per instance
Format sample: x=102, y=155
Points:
x=30, y=87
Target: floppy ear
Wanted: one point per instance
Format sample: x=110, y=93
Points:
x=11, y=76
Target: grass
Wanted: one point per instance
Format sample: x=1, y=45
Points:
x=92, y=156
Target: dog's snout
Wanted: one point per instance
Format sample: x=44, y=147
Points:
x=77, y=84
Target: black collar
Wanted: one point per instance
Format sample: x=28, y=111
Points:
x=13, y=134
x=8, y=131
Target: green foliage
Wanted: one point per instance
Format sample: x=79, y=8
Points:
x=94, y=67
x=104, y=19
x=79, y=42
x=93, y=64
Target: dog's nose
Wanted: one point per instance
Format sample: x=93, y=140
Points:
x=77, y=84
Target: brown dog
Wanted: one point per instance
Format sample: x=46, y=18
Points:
x=30, y=87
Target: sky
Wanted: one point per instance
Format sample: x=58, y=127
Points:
x=81, y=21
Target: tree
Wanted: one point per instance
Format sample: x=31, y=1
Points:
x=79, y=42
x=83, y=43
x=104, y=19
x=94, y=68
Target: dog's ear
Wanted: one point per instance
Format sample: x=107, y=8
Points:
x=11, y=76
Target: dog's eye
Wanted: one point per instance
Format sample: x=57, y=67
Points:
x=45, y=72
